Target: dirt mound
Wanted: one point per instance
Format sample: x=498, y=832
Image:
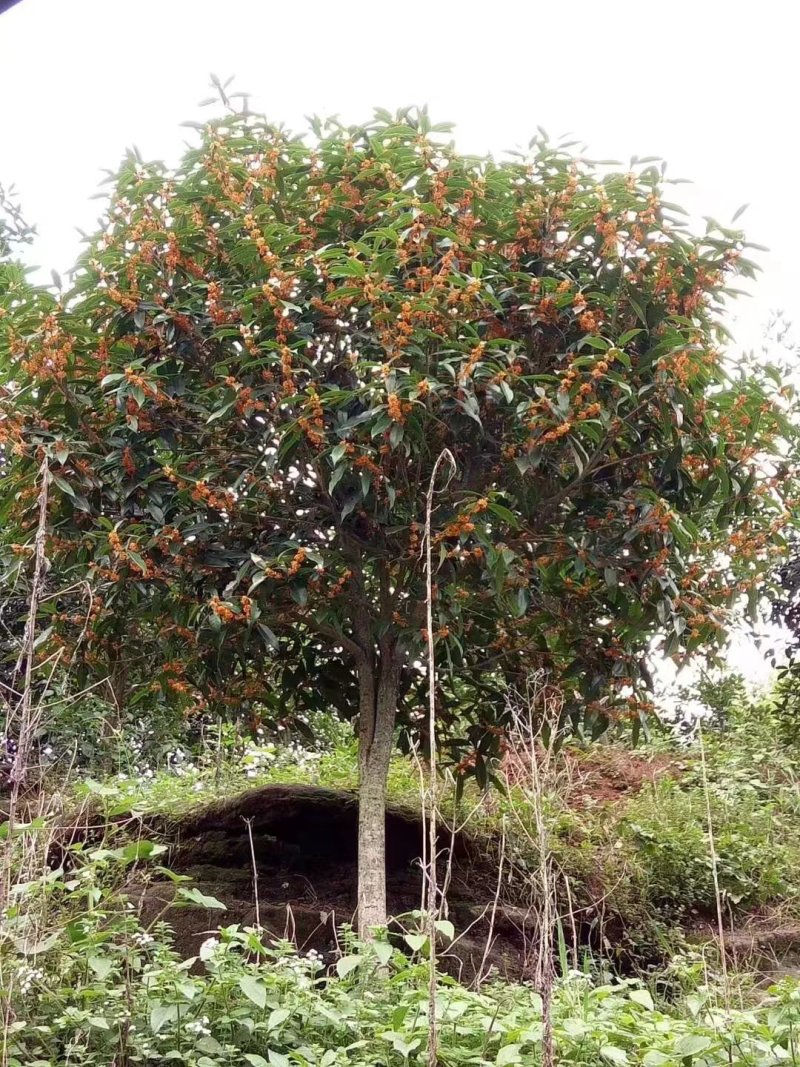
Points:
x=603, y=776
x=765, y=944
x=599, y=775
x=304, y=849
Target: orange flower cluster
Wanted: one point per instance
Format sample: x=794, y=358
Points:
x=556, y=433
x=11, y=433
x=127, y=462
x=591, y=411
x=313, y=424
x=289, y=387
x=395, y=407
x=338, y=586
x=461, y=525
x=125, y=300
x=474, y=358
x=116, y=545
x=268, y=258
x=51, y=359
x=219, y=169
x=298, y=560
x=202, y=493
x=547, y=311
x=214, y=300
x=246, y=403
x=368, y=464
x=222, y=610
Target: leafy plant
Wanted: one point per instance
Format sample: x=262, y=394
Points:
x=108, y=991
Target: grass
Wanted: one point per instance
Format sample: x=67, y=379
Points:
x=634, y=862
x=630, y=845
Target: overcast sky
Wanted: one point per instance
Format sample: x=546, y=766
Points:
x=710, y=86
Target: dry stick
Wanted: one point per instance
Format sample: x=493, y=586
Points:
x=448, y=872
x=249, y=823
x=19, y=767
x=424, y=818
x=490, y=935
x=433, y=1057
x=522, y=707
x=571, y=915
x=712, y=848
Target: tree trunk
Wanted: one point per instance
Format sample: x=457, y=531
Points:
x=378, y=688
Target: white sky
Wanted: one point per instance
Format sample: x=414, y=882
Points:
x=709, y=85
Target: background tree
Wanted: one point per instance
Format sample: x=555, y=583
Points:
x=263, y=355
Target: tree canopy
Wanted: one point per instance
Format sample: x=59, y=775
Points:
x=264, y=352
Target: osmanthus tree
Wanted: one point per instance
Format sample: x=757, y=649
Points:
x=265, y=352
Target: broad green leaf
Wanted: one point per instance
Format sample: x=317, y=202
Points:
x=347, y=964
x=161, y=1014
x=203, y=900
x=416, y=942
x=691, y=1045
x=446, y=928
x=101, y=966
x=254, y=989
x=643, y=997
x=614, y=1055
x=277, y=1017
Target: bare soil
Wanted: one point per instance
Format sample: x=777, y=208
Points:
x=304, y=849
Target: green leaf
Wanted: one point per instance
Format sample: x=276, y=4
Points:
x=351, y=268
x=349, y=506
x=383, y=950
x=445, y=928
x=195, y=896
x=508, y=1054
x=600, y=344
x=254, y=989
x=137, y=559
x=36, y=948
x=505, y=514
x=347, y=964
x=221, y=412
x=416, y=942
x=62, y=484
x=211, y=1045
x=255, y=1060
x=614, y=1054
x=277, y=1059
x=139, y=850
x=643, y=997
x=691, y=1045
x=277, y=1017
x=161, y=1014
x=299, y=594
x=101, y=966
x=628, y=336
